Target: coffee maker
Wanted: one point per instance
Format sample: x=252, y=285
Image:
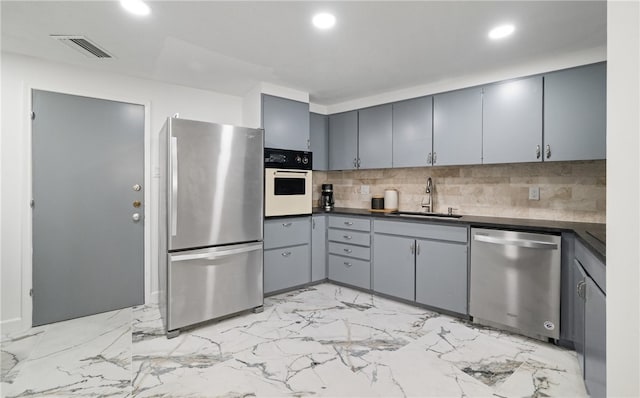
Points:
x=326, y=200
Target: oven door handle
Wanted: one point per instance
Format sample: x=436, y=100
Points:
x=284, y=173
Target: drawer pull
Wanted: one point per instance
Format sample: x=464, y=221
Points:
x=286, y=254
x=349, y=223
x=286, y=224
x=347, y=264
x=347, y=250
x=347, y=237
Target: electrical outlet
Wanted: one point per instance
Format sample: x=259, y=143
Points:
x=364, y=189
x=534, y=193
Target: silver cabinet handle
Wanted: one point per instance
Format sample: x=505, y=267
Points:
x=548, y=151
x=174, y=185
x=286, y=224
x=347, y=250
x=313, y=223
x=355, y=163
x=537, y=151
x=435, y=158
x=418, y=249
x=429, y=158
x=286, y=254
x=349, y=223
x=412, y=247
x=347, y=264
x=358, y=162
x=531, y=244
x=348, y=237
x=580, y=287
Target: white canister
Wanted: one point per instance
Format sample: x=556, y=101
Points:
x=391, y=199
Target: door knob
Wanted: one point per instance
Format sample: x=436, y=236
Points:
x=137, y=187
x=135, y=217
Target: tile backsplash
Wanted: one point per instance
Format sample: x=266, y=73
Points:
x=569, y=191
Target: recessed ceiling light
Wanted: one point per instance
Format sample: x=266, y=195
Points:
x=501, y=31
x=324, y=20
x=137, y=7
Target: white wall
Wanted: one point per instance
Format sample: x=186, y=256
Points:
x=623, y=199
x=19, y=75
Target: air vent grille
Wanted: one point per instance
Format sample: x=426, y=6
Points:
x=83, y=45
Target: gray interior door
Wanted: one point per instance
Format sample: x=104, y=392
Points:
x=87, y=247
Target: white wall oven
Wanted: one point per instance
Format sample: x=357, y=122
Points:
x=287, y=182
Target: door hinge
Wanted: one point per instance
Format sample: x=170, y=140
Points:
x=32, y=203
x=33, y=115
x=30, y=292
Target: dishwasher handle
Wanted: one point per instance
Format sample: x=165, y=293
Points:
x=531, y=244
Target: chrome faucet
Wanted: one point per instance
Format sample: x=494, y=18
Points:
x=428, y=206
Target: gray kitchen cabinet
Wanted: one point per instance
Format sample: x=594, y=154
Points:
x=319, y=140
x=595, y=340
x=318, y=248
x=441, y=275
x=575, y=113
x=375, y=137
x=412, y=132
x=457, y=127
x=512, y=121
x=579, y=278
x=343, y=141
x=394, y=266
x=349, y=242
x=285, y=123
x=287, y=253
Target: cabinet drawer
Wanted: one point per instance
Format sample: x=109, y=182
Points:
x=283, y=232
x=422, y=230
x=286, y=267
x=357, y=224
x=349, y=237
x=342, y=249
x=350, y=271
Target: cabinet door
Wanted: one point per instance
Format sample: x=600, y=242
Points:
x=575, y=113
x=285, y=123
x=595, y=341
x=512, y=121
x=374, y=137
x=343, y=140
x=318, y=248
x=286, y=267
x=319, y=140
x=457, y=127
x=394, y=266
x=441, y=275
x=412, y=132
x=579, y=278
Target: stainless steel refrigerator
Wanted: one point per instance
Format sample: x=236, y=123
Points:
x=210, y=222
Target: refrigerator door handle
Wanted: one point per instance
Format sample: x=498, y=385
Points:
x=174, y=186
x=218, y=252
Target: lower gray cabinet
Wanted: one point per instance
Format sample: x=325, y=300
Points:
x=351, y=271
x=441, y=275
x=394, y=266
x=318, y=248
x=287, y=253
x=595, y=340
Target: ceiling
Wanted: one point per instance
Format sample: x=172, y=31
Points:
x=375, y=47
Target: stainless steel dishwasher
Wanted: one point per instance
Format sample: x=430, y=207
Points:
x=515, y=281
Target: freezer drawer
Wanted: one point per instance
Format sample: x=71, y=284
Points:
x=211, y=283
x=515, y=281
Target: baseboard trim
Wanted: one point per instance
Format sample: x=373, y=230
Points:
x=11, y=326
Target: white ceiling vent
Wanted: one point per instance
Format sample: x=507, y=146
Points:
x=83, y=45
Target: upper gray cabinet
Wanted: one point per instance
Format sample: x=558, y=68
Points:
x=319, y=140
x=374, y=137
x=285, y=123
x=512, y=121
x=343, y=141
x=412, y=132
x=457, y=127
x=575, y=113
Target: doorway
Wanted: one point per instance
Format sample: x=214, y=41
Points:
x=88, y=206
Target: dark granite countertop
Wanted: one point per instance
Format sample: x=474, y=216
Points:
x=593, y=236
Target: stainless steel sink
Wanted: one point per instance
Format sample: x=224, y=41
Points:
x=427, y=215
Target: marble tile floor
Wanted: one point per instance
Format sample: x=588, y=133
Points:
x=324, y=340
